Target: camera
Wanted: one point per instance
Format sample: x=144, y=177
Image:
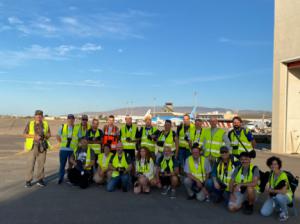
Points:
x=235, y=147
x=149, y=137
x=128, y=139
x=160, y=143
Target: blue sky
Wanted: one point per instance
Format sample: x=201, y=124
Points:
x=95, y=55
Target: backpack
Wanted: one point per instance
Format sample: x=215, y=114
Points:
x=293, y=181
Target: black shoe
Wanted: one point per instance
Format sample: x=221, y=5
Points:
x=41, y=183
x=124, y=189
x=60, y=181
x=28, y=184
x=248, y=209
x=191, y=197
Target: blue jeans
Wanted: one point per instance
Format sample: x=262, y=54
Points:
x=183, y=154
x=64, y=155
x=280, y=201
x=115, y=181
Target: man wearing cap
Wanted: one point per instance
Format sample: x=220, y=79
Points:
x=221, y=175
x=121, y=166
x=65, y=136
x=36, y=133
x=197, y=169
x=244, y=185
x=147, y=134
x=129, y=137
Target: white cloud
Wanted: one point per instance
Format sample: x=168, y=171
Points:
x=14, y=20
x=91, y=47
x=245, y=43
x=120, y=50
x=38, y=52
x=69, y=21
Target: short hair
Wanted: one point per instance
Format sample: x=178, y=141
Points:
x=168, y=121
x=186, y=115
x=106, y=145
x=245, y=154
x=237, y=118
x=111, y=116
x=95, y=119
x=198, y=119
x=274, y=158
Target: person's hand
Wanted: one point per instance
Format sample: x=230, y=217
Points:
x=217, y=185
x=232, y=197
x=37, y=137
x=199, y=184
x=237, y=188
x=271, y=191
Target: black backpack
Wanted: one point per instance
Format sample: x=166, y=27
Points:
x=293, y=181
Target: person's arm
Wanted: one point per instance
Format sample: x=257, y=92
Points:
x=226, y=141
x=72, y=160
x=176, y=144
x=207, y=169
x=250, y=138
x=59, y=133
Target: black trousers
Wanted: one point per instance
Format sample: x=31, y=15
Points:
x=75, y=177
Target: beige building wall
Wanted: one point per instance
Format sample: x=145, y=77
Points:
x=286, y=82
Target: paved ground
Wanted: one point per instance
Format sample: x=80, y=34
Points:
x=66, y=204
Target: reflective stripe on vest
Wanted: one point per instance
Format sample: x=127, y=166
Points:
x=189, y=133
x=213, y=143
x=30, y=141
x=87, y=159
x=145, y=168
x=199, y=173
x=145, y=142
x=95, y=147
x=166, y=163
x=235, y=143
x=75, y=138
x=239, y=178
x=112, y=136
x=104, y=166
x=117, y=164
x=64, y=136
x=197, y=137
x=128, y=134
x=168, y=142
x=282, y=177
x=223, y=176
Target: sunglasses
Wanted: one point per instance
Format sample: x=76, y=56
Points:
x=223, y=152
x=85, y=119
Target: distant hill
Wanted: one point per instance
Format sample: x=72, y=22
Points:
x=139, y=111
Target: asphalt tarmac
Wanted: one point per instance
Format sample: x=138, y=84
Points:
x=69, y=204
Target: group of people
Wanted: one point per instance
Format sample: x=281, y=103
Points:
x=212, y=164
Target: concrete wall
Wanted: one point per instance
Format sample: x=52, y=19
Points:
x=286, y=46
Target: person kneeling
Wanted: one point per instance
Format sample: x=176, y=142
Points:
x=103, y=173
x=82, y=161
x=280, y=193
x=120, y=164
x=144, y=167
x=167, y=171
x=197, y=169
x=244, y=185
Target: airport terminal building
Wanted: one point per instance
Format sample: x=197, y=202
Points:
x=286, y=78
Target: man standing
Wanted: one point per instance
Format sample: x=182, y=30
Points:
x=166, y=138
x=185, y=131
x=111, y=133
x=128, y=136
x=94, y=136
x=147, y=135
x=37, y=133
x=80, y=130
x=197, y=136
x=241, y=139
x=213, y=138
x=65, y=137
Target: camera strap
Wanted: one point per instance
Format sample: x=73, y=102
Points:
x=238, y=138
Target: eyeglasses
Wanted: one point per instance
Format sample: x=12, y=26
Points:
x=84, y=119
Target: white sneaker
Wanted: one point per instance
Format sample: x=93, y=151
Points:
x=165, y=190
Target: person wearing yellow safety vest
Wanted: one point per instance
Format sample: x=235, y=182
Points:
x=198, y=133
x=197, y=169
x=36, y=134
x=64, y=138
x=94, y=136
x=80, y=131
x=213, y=138
x=221, y=176
x=103, y=173
x=166, y=138
x=185, y=132
x=129, y=137
x=167, y=171
x=147, y=134
x=243, y=186
x=83, y=161
x=144, y=172
x=241, y=139
x=121, y=165
x=280, y=193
